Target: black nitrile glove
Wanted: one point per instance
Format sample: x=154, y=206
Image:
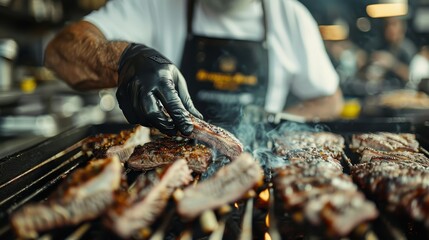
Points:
x=149, y=82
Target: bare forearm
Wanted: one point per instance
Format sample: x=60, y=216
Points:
x=323, y=108
x=402, y=71
x=81, y=56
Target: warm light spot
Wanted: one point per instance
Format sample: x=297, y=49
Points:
x=265, y=195
x=267, y=236
x=363, y=24
x=387, y=10
x=333, y=32
x=236, y=205
x=267, y=220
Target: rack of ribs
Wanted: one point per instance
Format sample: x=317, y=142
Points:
x=121, y=144
x=84, y=195
x=385, y=141
x=146, y=202
x=165, y=151
x=218, y=138
x=298, y=140
x=318, y=194
x=228, y=184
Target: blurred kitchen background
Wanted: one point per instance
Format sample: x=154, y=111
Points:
x=380, y=49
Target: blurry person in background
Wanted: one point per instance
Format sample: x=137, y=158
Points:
x=419, y=68
x=390, y=62
x=347, y=58
x=232, y=53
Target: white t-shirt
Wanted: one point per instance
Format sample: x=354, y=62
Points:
x=298, y=62
x=419, y=69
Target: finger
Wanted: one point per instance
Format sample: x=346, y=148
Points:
x=185, y=97
x=153, y=115
x=125, y=104
x=174, y=106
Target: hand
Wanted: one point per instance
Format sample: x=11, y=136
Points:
x=384, y=59
x=152, y=92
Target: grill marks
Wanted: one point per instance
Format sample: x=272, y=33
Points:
x=83, y=196
x=371, y=155
x=229, y=184
x=166, y=150
x=313, y=188
x=147, y=201
x=397, y=178
x=384, y=141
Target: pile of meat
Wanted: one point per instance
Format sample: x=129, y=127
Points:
x=394, y=173
x=313, y=189
x=100, y=190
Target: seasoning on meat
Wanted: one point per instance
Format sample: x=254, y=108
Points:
x=218, y=138
x=399, y=186
x=317, y=193
x=84, y=195
x=228, y=184
x=147, y=200
x=369, y=155
x=385, y=141
x=298, y=140
x=121, y=144
x=164, y=151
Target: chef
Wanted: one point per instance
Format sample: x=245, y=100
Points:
x=169, y=58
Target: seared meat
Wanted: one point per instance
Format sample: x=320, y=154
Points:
x=121, y=144
x=369, y=155
x=164, y=151
x=311, y=153
x=218, y=138
x=385, y=141
x=228, y=184
x=317, y=193
x=297, y=140
x=384, y=177
x=147, y=200
x=399, y=186
x=84, y=195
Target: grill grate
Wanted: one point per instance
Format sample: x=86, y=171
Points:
x=54, y=159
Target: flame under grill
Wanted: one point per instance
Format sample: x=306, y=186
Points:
x=33, y=174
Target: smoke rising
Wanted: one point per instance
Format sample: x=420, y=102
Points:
x=258, y=138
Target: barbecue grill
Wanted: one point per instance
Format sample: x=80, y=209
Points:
x=34, y=173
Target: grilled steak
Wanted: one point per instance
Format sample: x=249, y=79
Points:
x=317, y=193
x=298, y=140
x=383, y=177
x=164, y=151
x=314, y=154
x=121, y=144
x=399, y=186
x=229, y=184
x=369, y=155
x=84, y=195
x=147, y=201
x=385, y=141
x=218, y=138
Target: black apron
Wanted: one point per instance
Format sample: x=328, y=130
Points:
x=224, y=75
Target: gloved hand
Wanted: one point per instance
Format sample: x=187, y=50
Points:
x=152, y=92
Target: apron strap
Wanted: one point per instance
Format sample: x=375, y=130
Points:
x=190, y=17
